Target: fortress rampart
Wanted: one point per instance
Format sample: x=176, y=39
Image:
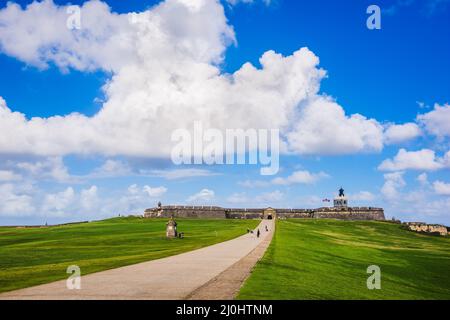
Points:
x=340, y=210
x=427, y=228
x=343, y=213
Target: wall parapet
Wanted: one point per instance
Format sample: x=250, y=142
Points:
x=347, y=213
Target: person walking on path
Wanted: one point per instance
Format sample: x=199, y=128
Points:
x=257, y=233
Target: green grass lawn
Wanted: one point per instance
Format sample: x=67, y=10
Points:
x=39, y=255
x=325, y=259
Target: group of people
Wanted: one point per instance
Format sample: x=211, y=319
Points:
x=258, y=233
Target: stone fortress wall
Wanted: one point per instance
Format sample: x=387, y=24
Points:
x=340, y=210
x=347, y=213
x=185, y=212
x=427, y=228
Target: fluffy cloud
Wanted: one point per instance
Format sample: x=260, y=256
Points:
x=41, y=27
x=204, y=195
x=424, y=159
x=14, y=202
x=24, y=200
x=423, y=179
x=322, y=127
x=302, y=176
x=152, y=192
x=393, y=182
x=441, y=188
x=416, y=204
x=89, y=199
x=134, y=200
x=155, y=192
x=165, y=75
x=52, y=168
x=8, y=175
x=56, y=204
x=401, y=133
x=436, y=122
x=111, y=168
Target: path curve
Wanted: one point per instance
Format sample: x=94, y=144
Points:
x=171, y=278
x=226, y=285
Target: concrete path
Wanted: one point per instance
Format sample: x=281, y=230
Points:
x=171, y=278
x=226, y=285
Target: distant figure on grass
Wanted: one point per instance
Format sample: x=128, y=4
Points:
x=257, y=234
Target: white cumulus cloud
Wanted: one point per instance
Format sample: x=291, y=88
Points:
x=52, y=168
x=322, y=127
x=204, y=195
x=436, y=122
x=166, y=75
x=8, y=175
x=424, y=159
x=15, y=202
x=422, y=178
x=155, y=191
x=393, y=183
x=56, y=204
x=441, y=188
x=89, y=198
x=398, y=133
x=302, y=177
x=111, y=168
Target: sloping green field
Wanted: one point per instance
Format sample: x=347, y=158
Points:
x=39, y=255
x=325, y=259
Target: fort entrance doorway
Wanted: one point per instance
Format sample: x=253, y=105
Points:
x=269, y=214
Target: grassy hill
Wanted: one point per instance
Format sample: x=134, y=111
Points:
x=34, y=256
x=325, y=259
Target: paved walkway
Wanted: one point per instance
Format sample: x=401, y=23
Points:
x=227, y=284
x=171, y=278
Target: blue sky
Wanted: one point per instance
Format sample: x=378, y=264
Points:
x=60, y=169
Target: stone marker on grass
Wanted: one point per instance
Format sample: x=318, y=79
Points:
x=171, y=228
